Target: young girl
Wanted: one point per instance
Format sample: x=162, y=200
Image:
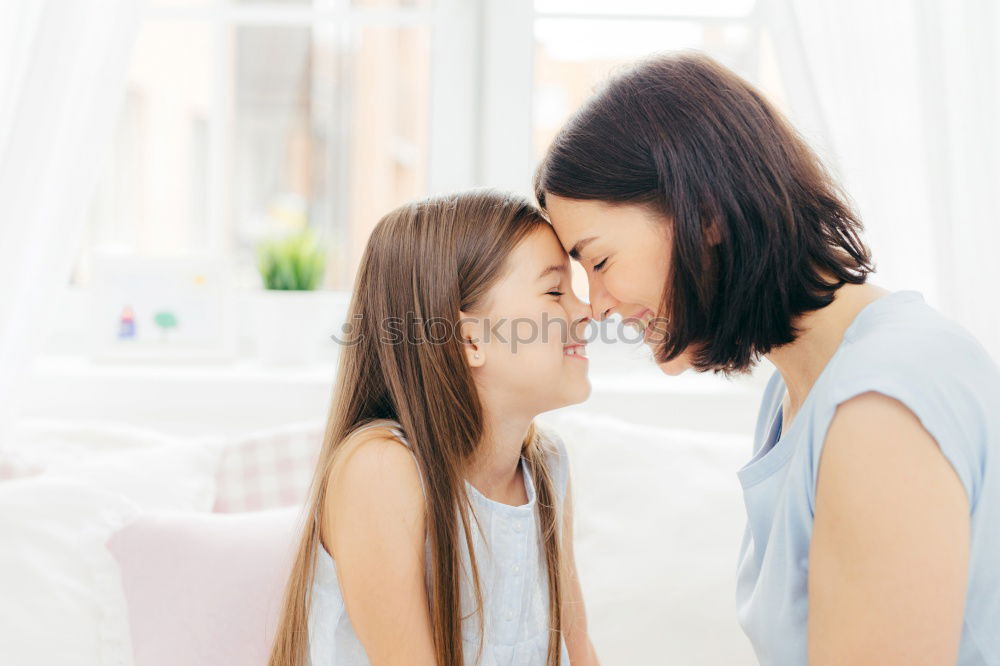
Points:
x=440, y=530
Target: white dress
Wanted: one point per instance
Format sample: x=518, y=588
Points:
x=512, y=574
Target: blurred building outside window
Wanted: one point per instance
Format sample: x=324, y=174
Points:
x=245, y=119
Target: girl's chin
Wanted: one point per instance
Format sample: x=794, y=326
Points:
x=577, y=394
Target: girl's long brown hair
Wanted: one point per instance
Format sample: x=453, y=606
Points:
x=425, y=261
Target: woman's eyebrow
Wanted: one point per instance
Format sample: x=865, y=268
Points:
x=580, y=244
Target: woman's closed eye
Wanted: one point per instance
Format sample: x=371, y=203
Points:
x=599, y=266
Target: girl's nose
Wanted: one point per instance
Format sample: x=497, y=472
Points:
x=582, y=314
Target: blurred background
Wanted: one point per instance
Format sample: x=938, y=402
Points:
x=152, y=151
x=186, y=187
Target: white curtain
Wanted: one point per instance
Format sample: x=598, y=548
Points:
x=63, y=66
x=903, y=97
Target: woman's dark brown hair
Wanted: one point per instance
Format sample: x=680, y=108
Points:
x=756, y=221
x=429, y=259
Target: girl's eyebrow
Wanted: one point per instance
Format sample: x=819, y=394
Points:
x=554, y=268
x=580, y=244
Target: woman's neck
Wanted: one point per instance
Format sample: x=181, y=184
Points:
x=802, y=361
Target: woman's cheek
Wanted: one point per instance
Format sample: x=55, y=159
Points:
x=621, y=288
x=641, y=288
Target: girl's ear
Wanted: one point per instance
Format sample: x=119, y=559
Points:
x=470, y=330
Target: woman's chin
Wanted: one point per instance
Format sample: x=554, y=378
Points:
x=675, y=367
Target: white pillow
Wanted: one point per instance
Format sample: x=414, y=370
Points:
x=658, y=519
x=179, y=476
x=157, y=470
x=46, y=439
x=62, y=600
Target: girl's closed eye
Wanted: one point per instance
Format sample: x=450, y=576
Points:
x=599, y=266
x=554, y=292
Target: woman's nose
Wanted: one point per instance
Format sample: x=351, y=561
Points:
x=601, y=302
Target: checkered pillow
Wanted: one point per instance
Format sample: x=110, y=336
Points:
x=268, y=469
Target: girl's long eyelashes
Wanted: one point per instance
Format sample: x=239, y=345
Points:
x=598, y=267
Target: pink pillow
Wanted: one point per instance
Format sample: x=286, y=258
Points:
x=205, y=588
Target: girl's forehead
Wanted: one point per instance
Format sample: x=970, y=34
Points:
x=542, y=247
x=533, y=260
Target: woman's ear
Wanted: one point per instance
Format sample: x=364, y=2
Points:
x=712, y=231
x=470, y=331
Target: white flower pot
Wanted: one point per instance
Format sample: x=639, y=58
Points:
x=290, y=326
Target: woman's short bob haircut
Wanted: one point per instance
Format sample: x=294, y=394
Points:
x=760, y=231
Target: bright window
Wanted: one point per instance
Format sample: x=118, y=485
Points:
x=243, y=119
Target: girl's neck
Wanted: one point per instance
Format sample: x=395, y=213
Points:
x=494, y=469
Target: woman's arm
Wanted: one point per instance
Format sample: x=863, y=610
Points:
x=889, y=555
x=374, y=528
x=574, y=616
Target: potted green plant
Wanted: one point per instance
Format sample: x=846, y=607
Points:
x=292, y=263
x=291, y=270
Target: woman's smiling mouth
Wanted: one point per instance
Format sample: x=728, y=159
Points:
x=640, y=321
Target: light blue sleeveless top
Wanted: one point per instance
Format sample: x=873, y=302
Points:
x=512, y=573
x=901, y=347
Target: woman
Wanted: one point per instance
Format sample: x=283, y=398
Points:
x=873, y=494
x=440, y=529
